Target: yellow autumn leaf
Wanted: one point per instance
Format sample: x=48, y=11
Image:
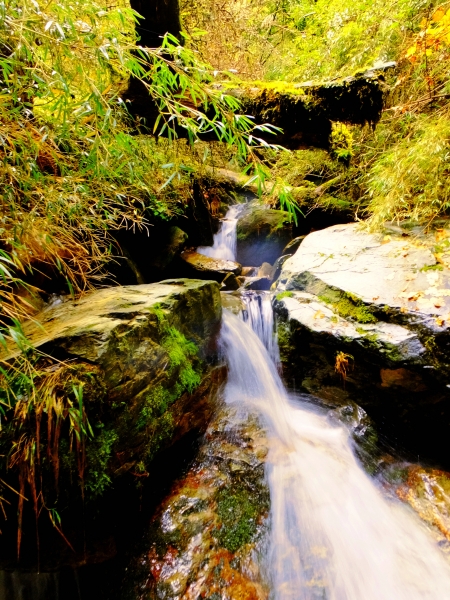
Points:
x=411, y=51
x=438, y=15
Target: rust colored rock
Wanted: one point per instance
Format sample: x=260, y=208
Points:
x=403, y=378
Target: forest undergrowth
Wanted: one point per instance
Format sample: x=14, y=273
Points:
x=399, y=171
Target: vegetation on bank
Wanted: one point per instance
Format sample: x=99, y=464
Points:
x=76, y=166
x=397, y=172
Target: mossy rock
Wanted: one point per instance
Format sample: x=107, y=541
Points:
x=140, y=360
x=262, y=234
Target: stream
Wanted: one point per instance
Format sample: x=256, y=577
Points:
x=334, y=534
x=332, y=531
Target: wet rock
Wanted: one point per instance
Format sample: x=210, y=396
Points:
x=293, y=245
x=403, y=378
x=249, y=271
x=266, y=270
x=208, y=535
x=262, y=234
x=232, y=302
x=427, y=491
x=380, y=304
x=391, y=343
x=144, y=357
x=204, y=267
x=257, y=283
x=363, y=433
x=231, y=283
x=278, y=266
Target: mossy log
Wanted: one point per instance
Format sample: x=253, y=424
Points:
x=305, y=112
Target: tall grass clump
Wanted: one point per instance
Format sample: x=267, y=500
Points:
x=410, y=180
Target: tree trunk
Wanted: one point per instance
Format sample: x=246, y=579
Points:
x=158, y=18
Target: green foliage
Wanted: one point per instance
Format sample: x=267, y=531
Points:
x=300, y=40
x=98, y=456
x=409, y=180
x=342, y=142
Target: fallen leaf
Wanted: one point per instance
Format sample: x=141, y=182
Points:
x=376, y=298
x=439, y=321
x=403, y=310
x=319, y=315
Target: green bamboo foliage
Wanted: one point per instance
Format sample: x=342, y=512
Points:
x=73, y=168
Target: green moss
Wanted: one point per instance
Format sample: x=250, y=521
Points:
x=238, y=510
x=372, y=337
x=181, y=354
x=284, y=335
x=259, y=218
x=284, y=294
x=436, y=267
x=348, y=306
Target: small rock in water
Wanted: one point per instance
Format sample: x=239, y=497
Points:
x=204, y=267
x=257, y=283
x=266, y=270
x=249, y=271
x=231, y=283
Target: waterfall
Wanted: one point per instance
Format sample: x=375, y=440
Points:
x=334, y=535
x=225, y=240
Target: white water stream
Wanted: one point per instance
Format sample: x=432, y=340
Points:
x=334, y=535
x=225, y=240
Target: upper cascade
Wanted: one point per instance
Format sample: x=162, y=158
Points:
x=225, y=240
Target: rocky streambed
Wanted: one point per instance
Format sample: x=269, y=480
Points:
x=363, y=321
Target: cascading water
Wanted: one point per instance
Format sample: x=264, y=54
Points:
x=225, y=240
x=334, y=535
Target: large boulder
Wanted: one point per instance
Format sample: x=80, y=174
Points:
x=262, y=234
x=366, y=317
x=144, y=360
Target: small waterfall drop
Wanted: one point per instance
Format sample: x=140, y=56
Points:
x=225, y=240
x=334, y=535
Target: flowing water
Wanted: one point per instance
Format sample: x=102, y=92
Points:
x=225, y=240
x=334, y=535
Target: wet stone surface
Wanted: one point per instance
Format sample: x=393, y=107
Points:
x=208, y=536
